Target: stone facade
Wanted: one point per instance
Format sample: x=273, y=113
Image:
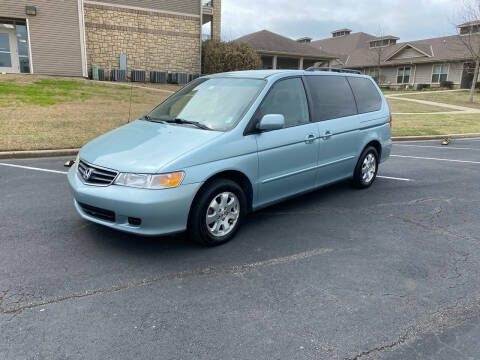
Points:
x=151, y=40
x=217, y=20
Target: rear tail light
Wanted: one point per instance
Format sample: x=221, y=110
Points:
x=391, y=121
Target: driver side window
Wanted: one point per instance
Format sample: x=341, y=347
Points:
x=288, y=98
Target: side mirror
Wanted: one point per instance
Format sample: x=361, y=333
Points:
x=271, y=122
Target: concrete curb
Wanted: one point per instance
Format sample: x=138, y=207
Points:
x=435, y=137
x=73, y=152
x=37, y=153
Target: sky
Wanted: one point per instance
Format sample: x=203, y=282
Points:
x=406, y=19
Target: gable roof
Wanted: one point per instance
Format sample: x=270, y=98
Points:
x=267, y=41
x=356, y=52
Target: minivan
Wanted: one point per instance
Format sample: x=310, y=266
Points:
x=228, y=144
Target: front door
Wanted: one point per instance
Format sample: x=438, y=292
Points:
x=287, y=157
x=8, y=50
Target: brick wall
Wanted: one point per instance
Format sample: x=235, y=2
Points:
x=151, y=40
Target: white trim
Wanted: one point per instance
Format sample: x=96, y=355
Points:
x=83, y=45
x=140, y=8
x=33, y=168
x=29, y=45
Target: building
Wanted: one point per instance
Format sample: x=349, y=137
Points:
x=67, y=37
x=280, y=52
x=426, y=62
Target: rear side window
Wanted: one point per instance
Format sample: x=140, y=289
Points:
x=331, y=97
x=366, y=94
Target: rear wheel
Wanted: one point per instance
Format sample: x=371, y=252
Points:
x=366, y=169
x=217, y=213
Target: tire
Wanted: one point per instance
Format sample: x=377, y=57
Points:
x=218, y=200
x=366, y=170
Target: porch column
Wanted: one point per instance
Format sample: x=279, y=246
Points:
x=274, y=62
x=300, y=64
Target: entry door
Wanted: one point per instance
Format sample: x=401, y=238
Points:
x=8, y=51
x=287, y=157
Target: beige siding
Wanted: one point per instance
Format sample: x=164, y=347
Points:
x=455, y=72
x=178, y=6
x=54, y=34
x=388, y=75
x=423, y=74
x=408, y=53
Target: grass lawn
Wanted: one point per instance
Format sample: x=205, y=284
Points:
x=401, y=106
x=455, y=98
x=442, y=124
x=39, y=112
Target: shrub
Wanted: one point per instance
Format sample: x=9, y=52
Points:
x=219, y=56
x=423, y=86
x=446, y=84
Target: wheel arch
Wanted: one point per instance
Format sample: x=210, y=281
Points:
x=235, y=175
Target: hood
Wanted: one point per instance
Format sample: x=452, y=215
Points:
x=144, y=147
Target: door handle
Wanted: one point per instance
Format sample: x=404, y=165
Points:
x=310, y=138
x=327, y=134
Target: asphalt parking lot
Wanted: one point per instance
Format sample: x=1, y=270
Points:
x=391, y=272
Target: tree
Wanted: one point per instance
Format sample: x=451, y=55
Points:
x=469, y=35
x=220, y=56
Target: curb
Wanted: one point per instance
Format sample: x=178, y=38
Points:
x=73, y=152
x=37, y=153
x=435, y=137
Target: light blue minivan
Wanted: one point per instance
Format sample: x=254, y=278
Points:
x=229, y=144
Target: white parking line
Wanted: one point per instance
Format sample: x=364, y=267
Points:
x=34, y=168
x=437, y=159
x=438, y=147
x=393, y=178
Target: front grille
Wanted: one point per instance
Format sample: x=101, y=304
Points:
x=94, y=175
x=97, y=212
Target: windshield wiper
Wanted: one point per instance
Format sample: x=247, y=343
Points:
x=149, y=118
x=188, y=122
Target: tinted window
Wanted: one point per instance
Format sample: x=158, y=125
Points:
x=366, y=94
x=288, y=98
x=331, y=97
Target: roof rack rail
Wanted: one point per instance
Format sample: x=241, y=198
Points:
x=325, y=68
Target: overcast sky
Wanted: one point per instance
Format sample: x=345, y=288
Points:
x=407, y=19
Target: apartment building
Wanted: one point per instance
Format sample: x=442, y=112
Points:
x=66, y=37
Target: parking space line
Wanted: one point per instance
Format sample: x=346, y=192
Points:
x=393, y=178
x=437, y=159
x=438, y=147
x=34, y=168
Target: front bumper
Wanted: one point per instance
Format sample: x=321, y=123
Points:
x=161, y=212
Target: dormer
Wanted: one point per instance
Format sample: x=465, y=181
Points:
x=470, y=27
x=383, y=41
x=305, y=40
x=341, y=32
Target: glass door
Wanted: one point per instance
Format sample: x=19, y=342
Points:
x=8, y=49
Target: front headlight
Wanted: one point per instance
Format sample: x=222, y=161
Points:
x=148, y=181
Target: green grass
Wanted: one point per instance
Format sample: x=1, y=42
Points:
x=455, y=98
x=402, y=106
x=51, y=113
x=442, y=124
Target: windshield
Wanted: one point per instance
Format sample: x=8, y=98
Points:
x=215, y=103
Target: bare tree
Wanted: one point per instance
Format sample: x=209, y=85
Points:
x=379, y=54
x=469, y=35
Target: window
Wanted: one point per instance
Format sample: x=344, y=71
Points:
x=217, y=103
x=373, y=72
x=288, y=98
x=403, y=76
x=22, y=41
x=5, y=52
x=440, y=73
x=366, y=95
x=332, y=97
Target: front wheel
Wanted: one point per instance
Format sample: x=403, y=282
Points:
x=217, y=213
x=366, y=169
